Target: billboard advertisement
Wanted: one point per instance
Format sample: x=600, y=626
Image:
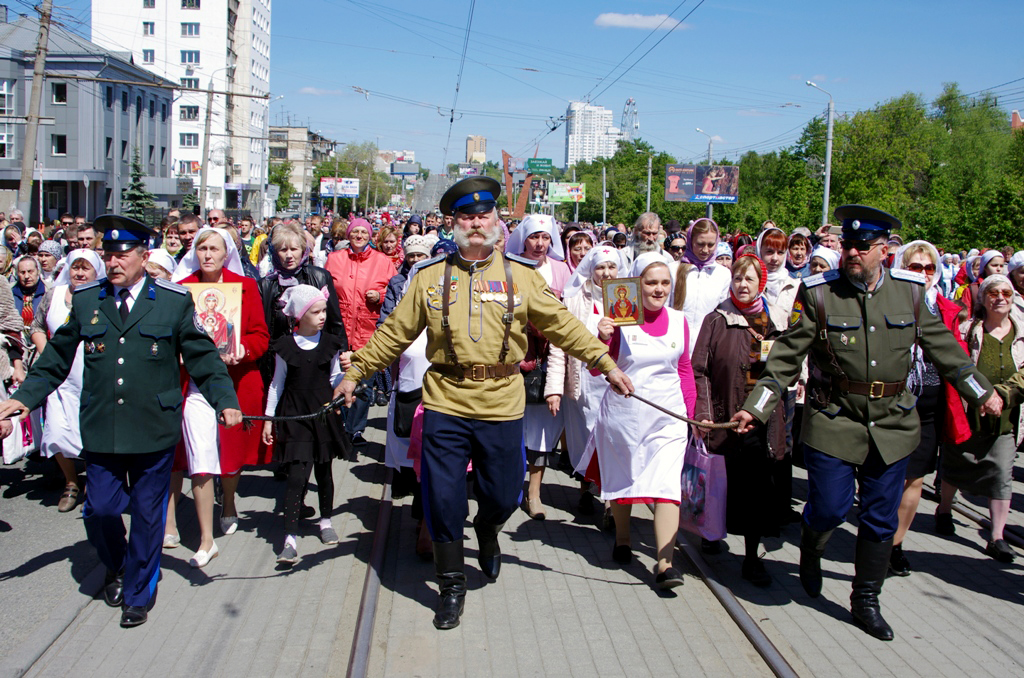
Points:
x=403, y=168
x=347, y=188
x=702, y=183
x=567, y=192
x=538, y=190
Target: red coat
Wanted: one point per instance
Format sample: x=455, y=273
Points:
x=354, y=274
x=955, y=428
x=240, y=447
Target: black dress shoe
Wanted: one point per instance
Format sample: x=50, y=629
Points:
x=710, y=547
x=133, y=616
x=489, y=553
x=898, y=563
x=755, y=572
x=586, y=504
x=669, y=579
x=622, y=554
x=944, y=524
x=1001, y=551
x=113, y=588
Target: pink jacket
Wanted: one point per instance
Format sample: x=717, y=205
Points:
x=354, y=275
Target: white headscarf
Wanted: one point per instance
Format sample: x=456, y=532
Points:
x=1015, y=262
x=190, y=262
x=723, y=249
x=641, y=263
x=163, y=259
x=536, y=223
x=298, y=299
x=64, y=278
x=826, y=254
x=776, y=278
x=932, y=290
x=585, y=271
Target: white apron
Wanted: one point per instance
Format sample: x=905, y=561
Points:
x=581, y=414
x=201, y=432
x=541, y=431
x=61, y=434
x=412, y=365
x=639, y=449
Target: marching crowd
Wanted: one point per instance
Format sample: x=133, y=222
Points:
x=505, y=371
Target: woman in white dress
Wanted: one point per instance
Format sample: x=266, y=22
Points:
x=537, y=239
x=569, y=387
x=62, y=438
x=707, y=283
x=639, y=450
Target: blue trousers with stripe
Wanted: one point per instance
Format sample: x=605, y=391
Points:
x=499, y=465
x=137, y=484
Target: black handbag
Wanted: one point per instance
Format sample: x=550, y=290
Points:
x=405, y=409
x=533, y=381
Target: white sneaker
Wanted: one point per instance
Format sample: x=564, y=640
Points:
x=172, y=541
x=201, y=558
x=228, y=524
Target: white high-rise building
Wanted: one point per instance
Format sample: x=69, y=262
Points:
x=197, y=43
x=590, y=132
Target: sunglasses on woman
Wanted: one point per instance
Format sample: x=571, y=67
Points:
x=921, y=268
x=995, y=294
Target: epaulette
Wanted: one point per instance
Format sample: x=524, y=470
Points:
x=420, y=265
x=909, y=276
x=824, y=276
x=88, y=286
x=168, y=285
x=521, y=260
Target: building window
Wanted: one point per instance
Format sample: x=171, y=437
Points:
x=110, y=97
x=148, y=56
x=163, y=112
x=189, y=139
x=148, y=28
x=124, y=102
x=148, y=4
x=108, y=149
x=152, y=151
x=6, y=108
x=163, y=155
x=279, y=153
x=190, y=83
x=190, y=56
x=152, y=109
x=190, y=4
x=189, y=112
x=124, y=151
x=58, y=144
x=60, y=93
x=189, y=29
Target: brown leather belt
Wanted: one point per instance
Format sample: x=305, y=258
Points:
x=477, y=372
x=875, y=389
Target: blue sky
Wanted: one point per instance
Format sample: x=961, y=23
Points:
x=735, y=68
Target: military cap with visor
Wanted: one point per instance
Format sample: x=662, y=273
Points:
x=860, y=222
x=121, y=234
x=474, y=195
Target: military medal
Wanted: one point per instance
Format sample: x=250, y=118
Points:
x=154, y=349
x=95, y=317
x=90, y=347
x=843, y=338
x=431, y=290
x=100, y=348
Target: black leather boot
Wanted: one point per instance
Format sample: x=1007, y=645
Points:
x=812, y=547
x=449, y=567
x=488, y=550
x=871, y=567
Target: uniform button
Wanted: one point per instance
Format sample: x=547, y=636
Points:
x=871, y=424
x=120, y=381
x=871, y=329
x=120, y=361
x=869, y=295
x=121, y=340
x=874, y=363
x=120, y=401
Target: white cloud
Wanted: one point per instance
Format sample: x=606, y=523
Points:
x=819, y=78
x=796, y=76
x=754, y=113
x=840, y=80
x=645, y=21
x=317, y=92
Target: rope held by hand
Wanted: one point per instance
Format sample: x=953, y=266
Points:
x=726, y=425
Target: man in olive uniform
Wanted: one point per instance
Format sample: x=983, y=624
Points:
x=475, y=305
x=133, y=329
x=858, y=326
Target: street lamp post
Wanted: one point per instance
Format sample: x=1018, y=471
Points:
x=649, y=160
x=711, y=143
x=828, y=153
x=204, y=167
x=266, y=160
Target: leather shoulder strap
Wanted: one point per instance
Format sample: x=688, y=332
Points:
x=843, y=382
x=509, y=311
x=446, y=296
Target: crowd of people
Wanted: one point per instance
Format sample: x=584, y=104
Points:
x=359, y=307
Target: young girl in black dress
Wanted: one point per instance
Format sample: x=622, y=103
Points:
x=306, y=371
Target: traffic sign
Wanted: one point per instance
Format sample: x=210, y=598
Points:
x=538, y=165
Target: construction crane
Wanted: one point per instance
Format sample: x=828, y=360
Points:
x=630, y=124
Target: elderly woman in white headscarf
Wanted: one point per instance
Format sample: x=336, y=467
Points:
x=62, y=438
x=569, y=386
x=537, y=239
x=1015, y=272
x=824, y=259
x=209, y=449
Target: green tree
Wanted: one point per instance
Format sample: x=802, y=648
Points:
x=189, y=201
x=135, y=199
x=279, y=174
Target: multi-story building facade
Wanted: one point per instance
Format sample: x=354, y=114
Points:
x=476, y=149
x=223, y=45
x=92, y=124
x=304, y=149
x=590, y=132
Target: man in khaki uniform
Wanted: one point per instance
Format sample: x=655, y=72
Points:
x=857, y=326
x=475, y=305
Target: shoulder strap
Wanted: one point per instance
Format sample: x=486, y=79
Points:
x=509, y=308
x=842, y=381
x=446, y=296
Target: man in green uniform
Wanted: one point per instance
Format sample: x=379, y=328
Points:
x=475, y=305
x=133, y=329
x=857, y=326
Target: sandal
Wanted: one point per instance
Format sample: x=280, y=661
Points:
x=68, y=500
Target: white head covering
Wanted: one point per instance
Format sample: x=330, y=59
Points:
x=298, y=299
x=190, y=262
x=986, y=259
x=723, y=249
x=826, y=254
x=898, y=262
x=585, y=271
x=64, y=278
x=641, y=263
x=536, y=223
x=163, y=259
x=1016, y=261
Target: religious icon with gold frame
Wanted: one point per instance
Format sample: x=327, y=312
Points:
x=622, y=301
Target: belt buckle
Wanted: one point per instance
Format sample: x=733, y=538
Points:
x=871, y=389
x=478, y=372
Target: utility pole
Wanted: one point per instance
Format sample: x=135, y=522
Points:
x=828, y=153
x=204, y=167
x=710, y=161
x=604, y=195
x=334, y=207
x=28, y=160
x=649, y=161
x=576, y=213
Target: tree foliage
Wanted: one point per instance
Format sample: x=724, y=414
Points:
x=135, y=199
x=279, y=173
